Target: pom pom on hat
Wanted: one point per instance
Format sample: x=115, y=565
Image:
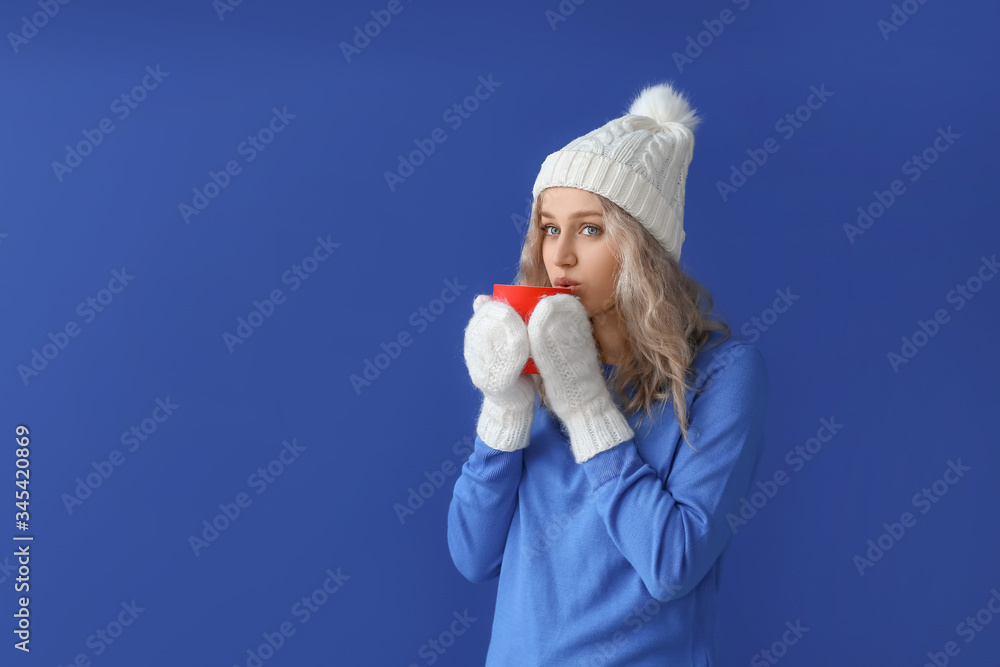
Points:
x=664, y=105
x=639, y=161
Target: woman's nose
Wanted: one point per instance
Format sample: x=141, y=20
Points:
x=564, y=252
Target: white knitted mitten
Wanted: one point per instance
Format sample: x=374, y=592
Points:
x=496, y=349
x=562, y=346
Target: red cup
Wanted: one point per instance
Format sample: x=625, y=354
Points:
x=523, y=299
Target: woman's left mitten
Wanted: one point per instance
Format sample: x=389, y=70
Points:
x=563, y=349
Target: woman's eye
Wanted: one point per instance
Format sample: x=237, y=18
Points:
x=545, y=228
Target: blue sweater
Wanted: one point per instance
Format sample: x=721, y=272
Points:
x=614, y=561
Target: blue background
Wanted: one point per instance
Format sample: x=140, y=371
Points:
x=456, y=218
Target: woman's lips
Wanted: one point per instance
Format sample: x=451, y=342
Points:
x=569, y=283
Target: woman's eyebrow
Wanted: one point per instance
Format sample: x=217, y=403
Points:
x=574, y=216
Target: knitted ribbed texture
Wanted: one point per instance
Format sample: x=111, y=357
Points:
x=637, y=161
x=505, y=424
x=563, y=348
x=496, y=349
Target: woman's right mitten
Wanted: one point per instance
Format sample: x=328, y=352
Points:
x=496, y=350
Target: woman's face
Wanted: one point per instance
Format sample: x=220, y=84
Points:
x=575, y=246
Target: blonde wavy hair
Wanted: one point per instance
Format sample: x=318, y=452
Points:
x=665, y=313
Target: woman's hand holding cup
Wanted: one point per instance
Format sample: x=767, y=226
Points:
x=496, y=351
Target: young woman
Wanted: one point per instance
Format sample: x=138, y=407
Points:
x=606, y=533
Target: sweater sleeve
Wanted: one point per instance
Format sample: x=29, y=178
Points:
x=481, y=509
x=672, y=531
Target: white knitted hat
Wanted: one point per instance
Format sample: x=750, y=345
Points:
x=639, y=161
